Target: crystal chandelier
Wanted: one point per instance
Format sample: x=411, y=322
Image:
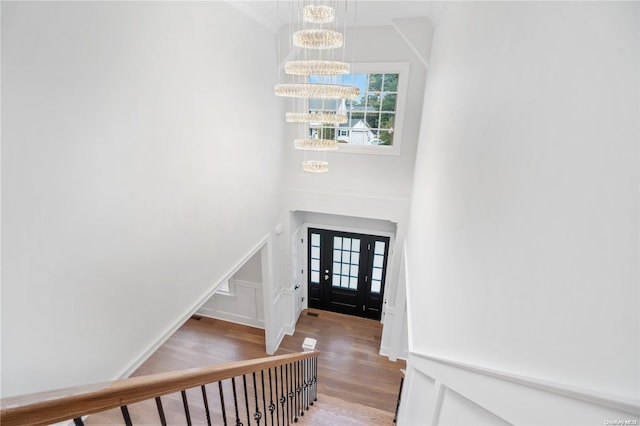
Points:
x=314, y=44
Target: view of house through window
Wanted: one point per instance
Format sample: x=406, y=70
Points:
x=371, y=117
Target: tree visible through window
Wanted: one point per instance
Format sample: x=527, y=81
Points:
x=371, y=118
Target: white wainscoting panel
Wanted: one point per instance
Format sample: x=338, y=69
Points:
x=243, y=306
x=442, y=392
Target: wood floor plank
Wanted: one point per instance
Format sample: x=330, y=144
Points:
x=356, y=386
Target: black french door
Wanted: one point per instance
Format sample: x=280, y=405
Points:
x=347, y=271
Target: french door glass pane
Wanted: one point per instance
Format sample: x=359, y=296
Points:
x=379, y=249
x=353, y=283
x=377, y=274
x=315, y=240
x=355, y=258
x=375, y=286
x=378, y=260
x=315, y=277
x=315, y=264
x=315, y=252
x=336, y=268
x=337, y=243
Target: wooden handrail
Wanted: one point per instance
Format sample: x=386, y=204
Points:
x=51, y=407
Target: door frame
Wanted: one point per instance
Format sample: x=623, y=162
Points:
x=304, y=266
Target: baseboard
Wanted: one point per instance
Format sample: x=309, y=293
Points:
x=232, y=318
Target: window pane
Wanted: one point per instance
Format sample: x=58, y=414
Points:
x=315, y=264
x=353, y=283
x=337, y=242
x=379, y=247
x=315, y=277
x=315, y=252
x=375, y=82
x=372, y=120
x=355, y=245
x=335, y=281
x=345, y=282
x=355, y=258
x=391, y=82
x=377, y=274
x=346, y=244
x=336, y=267
x=386, y=137
x=337, y=255
x=375, y=286
x=386, y=120
x=346, y=256
x=315, y=240
x=354, y=270
x=389, y=102
x=345, y=269
x=378, y=260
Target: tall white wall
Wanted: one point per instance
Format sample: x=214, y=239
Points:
x=141, y=158
x=523, y=246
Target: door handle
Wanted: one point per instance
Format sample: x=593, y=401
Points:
x=326, y=274
x=326, y=277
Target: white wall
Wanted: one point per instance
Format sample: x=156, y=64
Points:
x=523, y=245
x=131, y=182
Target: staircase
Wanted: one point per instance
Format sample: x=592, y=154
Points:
x=274, y=390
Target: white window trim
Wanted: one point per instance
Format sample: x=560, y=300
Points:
x=401, y=68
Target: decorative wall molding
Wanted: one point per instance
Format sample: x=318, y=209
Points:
x=445, y=391
x=588, y=395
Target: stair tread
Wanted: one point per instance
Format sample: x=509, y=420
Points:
x=330, y=411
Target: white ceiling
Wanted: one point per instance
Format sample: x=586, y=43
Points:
x=272, y=14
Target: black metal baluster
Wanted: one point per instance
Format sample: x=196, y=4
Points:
x=257, y=415
x=315, y=378
x=304, y=385
x=78, y=421
x=235, y=401
x=273, y=406
x=206, y=405
x=283, y=398
x=224, y=413
x=126, y=416
x=163, y=420
x=299, y=388
x=287, y=374
x=186, y=407
x=246, y=399
x=264, y=399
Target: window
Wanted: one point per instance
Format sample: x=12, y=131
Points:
x=225, y=288
x=374, y=120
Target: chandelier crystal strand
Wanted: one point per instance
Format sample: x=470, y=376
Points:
x=317, y=39
x=315, y=166
x=318, y=14
x=315, y=144
x=316, y=67
x=316, y=117
x=317, y=91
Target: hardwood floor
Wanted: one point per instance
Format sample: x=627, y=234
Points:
x=356, y=386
